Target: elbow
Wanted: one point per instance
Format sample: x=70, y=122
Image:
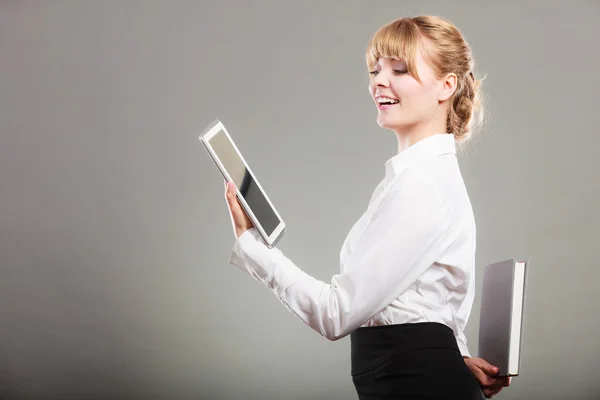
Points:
x=335, y=333
x=332, y=337
x=336, y=322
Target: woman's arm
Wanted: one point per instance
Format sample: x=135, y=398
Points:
x=461, y=317
x=405, y=236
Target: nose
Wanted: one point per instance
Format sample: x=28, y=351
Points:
x=381, y=79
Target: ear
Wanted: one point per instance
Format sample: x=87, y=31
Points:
x=448, y=88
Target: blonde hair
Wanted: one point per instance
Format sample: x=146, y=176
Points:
x=446, y=50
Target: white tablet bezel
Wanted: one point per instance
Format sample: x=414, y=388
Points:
x=208, y=133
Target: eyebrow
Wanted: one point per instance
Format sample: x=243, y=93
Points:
x=393, y=61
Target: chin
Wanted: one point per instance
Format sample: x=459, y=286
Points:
x=386, y=123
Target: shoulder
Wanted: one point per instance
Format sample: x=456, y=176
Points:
x=419, y=184
x=417, y=193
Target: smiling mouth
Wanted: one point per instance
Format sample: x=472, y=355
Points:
x=384, y=102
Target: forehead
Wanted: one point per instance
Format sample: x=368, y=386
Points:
x=398, y=41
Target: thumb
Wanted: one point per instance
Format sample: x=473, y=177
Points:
x=235, y=208
x=231, y=197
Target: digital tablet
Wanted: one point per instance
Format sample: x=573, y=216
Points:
x=229, y=160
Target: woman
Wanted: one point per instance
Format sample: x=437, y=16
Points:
x=406, y=285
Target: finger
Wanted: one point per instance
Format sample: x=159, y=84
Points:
x=230, y=195
x=497, y=384
x=489, y=393
x=238, y=213
x=492, y=390
x=229, y=186
x=234, y=206
x=500, y=382
x=495, y=392
x=488, y=368
x=483, y=378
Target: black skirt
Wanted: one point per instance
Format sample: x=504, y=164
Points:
x=410, y=361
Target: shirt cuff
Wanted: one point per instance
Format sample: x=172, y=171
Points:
x=464, y=350
x=269, y=266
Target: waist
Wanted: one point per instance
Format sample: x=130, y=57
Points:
x=371, y=346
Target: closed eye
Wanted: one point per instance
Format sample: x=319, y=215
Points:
x=396, y=71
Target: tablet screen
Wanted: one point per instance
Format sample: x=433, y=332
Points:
x=244, y=181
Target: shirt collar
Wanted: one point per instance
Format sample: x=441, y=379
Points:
x=431, y=146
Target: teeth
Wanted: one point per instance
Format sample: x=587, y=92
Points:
x=382, y=100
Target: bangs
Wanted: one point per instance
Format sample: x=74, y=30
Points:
x=397, y=40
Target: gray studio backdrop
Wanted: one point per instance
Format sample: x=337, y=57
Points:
x=114, y=232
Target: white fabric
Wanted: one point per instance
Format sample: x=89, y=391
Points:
x=409, y=258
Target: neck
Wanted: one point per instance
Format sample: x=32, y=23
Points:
x=410, y=134
x=409, y=138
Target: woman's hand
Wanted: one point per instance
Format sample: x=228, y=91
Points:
x=485, y=374
x=240, y=221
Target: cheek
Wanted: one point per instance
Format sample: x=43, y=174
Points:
x=406, y=88
x=417, y=95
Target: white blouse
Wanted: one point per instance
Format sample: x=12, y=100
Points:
x=409, y=258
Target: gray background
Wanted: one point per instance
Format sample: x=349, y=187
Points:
x=114, y=232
